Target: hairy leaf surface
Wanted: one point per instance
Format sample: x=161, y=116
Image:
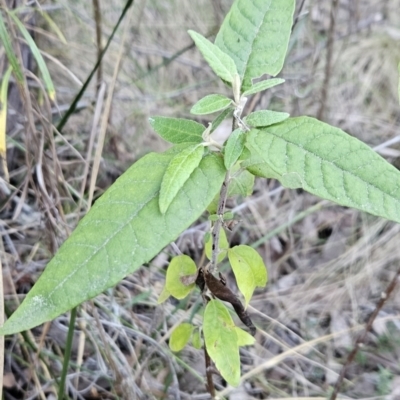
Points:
x=265, y=118
x=263, y=85
x=221, y=63
x=178, y=172
x=325, y=161
x=234, y=147
x=123, y=230
x=178, y=130
x=256, y=35
x=210, y=104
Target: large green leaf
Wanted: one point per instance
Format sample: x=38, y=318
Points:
x=221, y=63
x=324, y=160
x=221, y=341
x=255, y=33
x=123, y=230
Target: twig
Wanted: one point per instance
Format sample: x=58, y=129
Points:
x=361, y=339
x=210, y=382
x=218, y=223
x=328, y=64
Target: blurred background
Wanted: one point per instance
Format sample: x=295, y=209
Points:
x=327, y=265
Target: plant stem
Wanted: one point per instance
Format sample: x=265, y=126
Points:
x=218, y=223
x=67, y=354
x=210, y=382
x=361, y=339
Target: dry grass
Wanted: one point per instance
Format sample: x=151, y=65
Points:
x=327, y=267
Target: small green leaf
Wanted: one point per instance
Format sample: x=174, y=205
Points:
x=256, y=35
x=249, y=269
x=244, y=338
x=180, y=336
x=331, y=164
x=178, y=267
x=210, y=104
x=265, y=118
x=234, y=147
x=223, y=246
x=221, y=341
x=177, y=173
x=263, y=85
x=220, y=62
x=163, y=295
x=178, y=130
x=123, y=230
x=196, y=339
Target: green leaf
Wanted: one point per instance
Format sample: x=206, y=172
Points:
x=196, y=339
x=38, y=57
x=221, y=63
x=329, y=163
x=178, y=130
x=256, y=164
x=234, y=147
x=210, y=104
x=244, y=338
x=223, y=246
x=241, y=183
x=180, y=336
x=263, y=85
x=221, y=341
x=265, y=118
x=123, y=230
x=228, y=112
x=8, y=47
x=256, y=35
x=178, y=267
x=163, y=295
x=249, y=269
x=178, y=172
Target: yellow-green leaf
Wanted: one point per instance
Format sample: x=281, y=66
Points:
x=178, y=267
x=221, y=341
x=249, y=269
x=180, y=336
